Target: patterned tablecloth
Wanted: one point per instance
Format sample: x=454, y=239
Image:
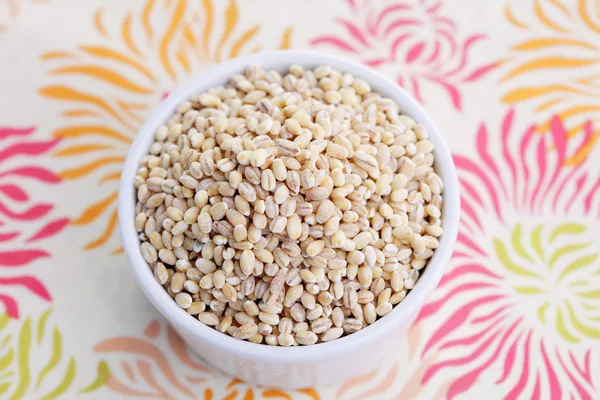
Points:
x=514, y=86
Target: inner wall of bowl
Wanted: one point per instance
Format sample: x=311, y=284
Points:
x=280, y=62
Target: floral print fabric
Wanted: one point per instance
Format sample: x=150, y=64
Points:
x=513, y=86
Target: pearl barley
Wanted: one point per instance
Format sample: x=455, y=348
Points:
x=289, y=210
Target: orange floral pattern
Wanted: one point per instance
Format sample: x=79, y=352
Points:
x=102, y=71
x=109, y=87
x=555, y=69
x=158, y=365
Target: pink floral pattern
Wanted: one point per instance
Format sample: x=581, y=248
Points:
x=25, y=221
x=527, y=309
x=147, y=354
x=411, y=40
x=158, y=365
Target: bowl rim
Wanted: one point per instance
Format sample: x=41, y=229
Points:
x=190, y=326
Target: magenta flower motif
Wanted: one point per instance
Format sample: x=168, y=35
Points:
x=519, y=302
x=411, y=40
x=25, y=221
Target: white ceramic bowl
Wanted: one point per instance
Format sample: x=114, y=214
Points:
x=297, y=367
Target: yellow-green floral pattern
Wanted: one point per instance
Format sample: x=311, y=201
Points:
x=548, y=263
x=24, y=373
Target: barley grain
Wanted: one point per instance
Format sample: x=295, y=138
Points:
x=287, y=199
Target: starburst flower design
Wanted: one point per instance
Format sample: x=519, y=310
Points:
x=519, y=298
x=413, y=41
x=25, y=376
x=546, y=264
x=27, y=220
x=398, y=377
x=555, y=70
x=157, y=364
x=107, y=89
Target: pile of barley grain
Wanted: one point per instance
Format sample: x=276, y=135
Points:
x=289, y=210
